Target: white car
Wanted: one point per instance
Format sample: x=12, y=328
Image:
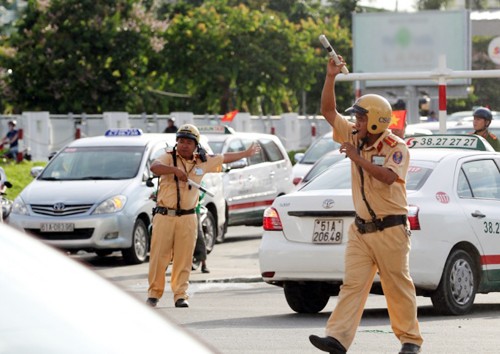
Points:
x=51, y=304
x=251, y=184
x=305, y=161
x=94, y=195
x=454, y=204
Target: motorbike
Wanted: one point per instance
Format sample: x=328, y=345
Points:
x=5, y=202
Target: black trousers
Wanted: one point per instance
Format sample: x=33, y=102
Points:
x=200, y=250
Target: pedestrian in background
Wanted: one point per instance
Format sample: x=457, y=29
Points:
x=481, y=122
x=175, y=223
x=171, y=128
x=379, y=238
x=11, y=138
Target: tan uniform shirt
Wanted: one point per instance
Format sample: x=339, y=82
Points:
x=389, y=151
x=195, y=169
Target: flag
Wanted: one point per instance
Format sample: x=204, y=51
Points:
x=228, y=117
x=398, y=120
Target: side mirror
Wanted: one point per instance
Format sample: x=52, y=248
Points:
x=35, y=171
x=238, y=164
x=298, y=156
x=149, y=182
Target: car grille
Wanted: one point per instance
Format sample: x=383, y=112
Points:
x=77, y=234
x=65, y=210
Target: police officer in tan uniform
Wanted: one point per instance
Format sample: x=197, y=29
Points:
x=481, y=122
x=379, y=238
x=175, y=223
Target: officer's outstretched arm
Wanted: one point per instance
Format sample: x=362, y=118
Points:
x=235, y=156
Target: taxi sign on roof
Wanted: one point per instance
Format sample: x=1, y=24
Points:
x=123, y=132
x=215, y=129
x=449, y=141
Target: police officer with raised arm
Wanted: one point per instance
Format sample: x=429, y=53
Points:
x=379, y=239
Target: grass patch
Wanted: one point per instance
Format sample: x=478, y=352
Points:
x=19, y=175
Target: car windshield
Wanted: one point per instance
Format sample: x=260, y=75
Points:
x=216, y=146
x=318, y=149
x=322, y=165
x=94, y=163
x=338, y=176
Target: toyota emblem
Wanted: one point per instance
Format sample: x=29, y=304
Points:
x=328, y=204
x=59, y=206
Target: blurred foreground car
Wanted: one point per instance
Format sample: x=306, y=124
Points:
x=51, y=304
x=94, y=195
x=251, y=184
x=454, y=202
x=305, y=161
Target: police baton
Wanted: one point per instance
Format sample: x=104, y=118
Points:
x=196, y=185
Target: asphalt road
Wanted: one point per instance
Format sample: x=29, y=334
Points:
x=233, y=311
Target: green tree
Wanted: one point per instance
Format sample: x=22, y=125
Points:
x=82, y=55
x=234, y=57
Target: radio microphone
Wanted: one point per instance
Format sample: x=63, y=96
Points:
x=331, y=53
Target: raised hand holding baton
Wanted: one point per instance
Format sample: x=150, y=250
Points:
x=331, y=53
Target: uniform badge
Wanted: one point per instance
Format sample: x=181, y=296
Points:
x=397, y=157
x=198, y=171
x=378, y=160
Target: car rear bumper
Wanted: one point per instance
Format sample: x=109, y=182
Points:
x=297, y=261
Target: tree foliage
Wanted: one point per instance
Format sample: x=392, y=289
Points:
x=81, y=55
x=259, y=56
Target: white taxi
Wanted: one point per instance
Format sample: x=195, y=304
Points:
x=94, y=195
x=453, y=188
x=251, y=184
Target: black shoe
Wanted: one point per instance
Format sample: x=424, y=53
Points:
x=409, y=348
x=151, y=301
x=181, y=303
x=204, y=269
x=327, y=344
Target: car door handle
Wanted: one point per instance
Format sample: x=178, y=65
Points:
x=478, y=214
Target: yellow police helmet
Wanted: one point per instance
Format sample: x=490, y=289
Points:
x=378, y=110
x=188, y=131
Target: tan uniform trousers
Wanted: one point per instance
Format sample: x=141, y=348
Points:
x=386, y=251
x=173, y=238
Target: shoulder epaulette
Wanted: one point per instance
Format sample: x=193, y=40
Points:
x=390, y=141
x=493, y=136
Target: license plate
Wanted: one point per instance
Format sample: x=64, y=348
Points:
x=57, y=227
x=327, y=231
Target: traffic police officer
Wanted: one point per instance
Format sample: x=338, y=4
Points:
x=379, y=238
x=175, y=222
x=481, y=122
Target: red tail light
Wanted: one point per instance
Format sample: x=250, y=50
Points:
x=413, y=217
x=271, y=220
x=297, y=180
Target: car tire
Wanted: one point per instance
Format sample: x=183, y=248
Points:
x=306, y=297
x=138, y=251
x=458, y=286
x=209, y=227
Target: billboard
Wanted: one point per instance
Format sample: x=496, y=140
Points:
x=408, y=42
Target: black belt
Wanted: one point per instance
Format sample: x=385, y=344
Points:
x=172, y=212
x=365, y=227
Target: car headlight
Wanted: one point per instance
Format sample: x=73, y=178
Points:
x=111, y=205
x=19, y=207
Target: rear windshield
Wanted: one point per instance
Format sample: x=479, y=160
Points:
x=94, y=163
x=338, y=176
x=318, y=149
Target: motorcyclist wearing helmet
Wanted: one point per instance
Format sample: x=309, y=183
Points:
x=175, y=222
x=481, y=122
x=378, y=240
